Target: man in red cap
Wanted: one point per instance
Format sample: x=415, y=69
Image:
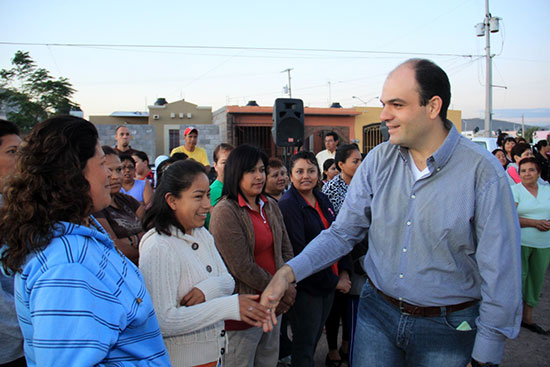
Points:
x=191, y=137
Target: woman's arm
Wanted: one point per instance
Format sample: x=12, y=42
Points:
x=147, y=193
x=128, y=245
x=540, y=224
x=162, y=274
x=74, y=314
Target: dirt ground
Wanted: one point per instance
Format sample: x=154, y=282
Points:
x=527, y=350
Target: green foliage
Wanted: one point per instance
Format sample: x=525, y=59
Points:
x=29, y=94
x=529, y=134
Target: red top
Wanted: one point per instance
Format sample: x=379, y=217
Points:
x=317, y=207
x=264, y=254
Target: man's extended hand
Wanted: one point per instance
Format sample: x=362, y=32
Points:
x=274, y=292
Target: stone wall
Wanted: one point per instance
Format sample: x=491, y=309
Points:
x=143, y=138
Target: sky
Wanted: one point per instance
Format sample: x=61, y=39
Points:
x=232, y=52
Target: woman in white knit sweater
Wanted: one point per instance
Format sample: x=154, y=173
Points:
x=186, y=277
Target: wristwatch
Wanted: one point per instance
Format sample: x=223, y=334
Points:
x=475, y=363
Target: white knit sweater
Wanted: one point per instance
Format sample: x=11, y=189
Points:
x=172, y=266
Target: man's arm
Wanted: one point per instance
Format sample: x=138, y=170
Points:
x=499, y=263
x=349, y=228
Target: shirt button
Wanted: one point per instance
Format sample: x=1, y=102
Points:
x=222, y=333
x=208, y=268
x=139, y=300
x=409, y=223
x=404, y=250
x=400, y=276
x=413, y=196
x=222, y=351
x=195, y=246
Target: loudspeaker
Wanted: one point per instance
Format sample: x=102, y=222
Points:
x=288, y=122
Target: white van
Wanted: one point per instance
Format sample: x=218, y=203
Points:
x=488, y=143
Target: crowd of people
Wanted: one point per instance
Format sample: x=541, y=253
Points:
x=107, y=261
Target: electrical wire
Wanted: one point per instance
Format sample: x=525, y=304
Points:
x=244, y=48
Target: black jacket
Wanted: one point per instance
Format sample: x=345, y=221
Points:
x=303, y=224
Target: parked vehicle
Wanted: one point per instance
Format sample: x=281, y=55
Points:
x=488, y=143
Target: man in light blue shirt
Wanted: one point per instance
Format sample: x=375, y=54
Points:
x=444, y=239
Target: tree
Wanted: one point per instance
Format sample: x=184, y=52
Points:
x=29, y=94
x=529, y=134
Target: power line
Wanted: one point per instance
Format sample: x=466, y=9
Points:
x=243, y=48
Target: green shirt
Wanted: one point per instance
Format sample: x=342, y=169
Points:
x=215, y=195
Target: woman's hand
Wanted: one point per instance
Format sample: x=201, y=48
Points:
x=251, y=311
x=194, y=297
x=344, y=284
x=287, y=301
x=543, y=225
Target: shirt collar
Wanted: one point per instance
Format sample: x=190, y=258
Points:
x=262, y=200
x=442, y=155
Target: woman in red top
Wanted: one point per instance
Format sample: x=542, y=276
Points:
x=250, y=235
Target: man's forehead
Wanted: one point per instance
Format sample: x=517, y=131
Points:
x=123, y=130
x=400, y=81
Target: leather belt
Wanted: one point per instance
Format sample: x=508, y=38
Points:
x=413, y=310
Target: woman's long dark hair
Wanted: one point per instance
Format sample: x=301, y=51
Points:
x=176, y=178
x=326, y=165
x=241, y=159
x=48, y=186
x=343, y=153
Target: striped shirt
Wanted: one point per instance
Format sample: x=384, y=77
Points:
x=81, y=303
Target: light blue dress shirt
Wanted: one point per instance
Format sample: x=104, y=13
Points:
x=445, y=239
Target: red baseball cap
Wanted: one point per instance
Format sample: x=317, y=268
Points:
x=189, y=130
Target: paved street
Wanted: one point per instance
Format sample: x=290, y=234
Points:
x=527, y=350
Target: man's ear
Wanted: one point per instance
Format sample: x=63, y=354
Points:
x=434, y=107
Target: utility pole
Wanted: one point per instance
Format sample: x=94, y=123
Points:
x=489, y=25
x=488, y=73
x=289, y=87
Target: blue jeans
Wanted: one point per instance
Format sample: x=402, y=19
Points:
x=386, y=337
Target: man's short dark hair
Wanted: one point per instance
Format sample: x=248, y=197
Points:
x=7, y=128
x=333, y=134
x=432, y=81
x=222, y=146
x=118, y=128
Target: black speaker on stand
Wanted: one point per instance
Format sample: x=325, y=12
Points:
x=288, y=124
